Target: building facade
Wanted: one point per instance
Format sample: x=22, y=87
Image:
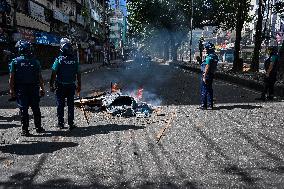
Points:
x=45, y=22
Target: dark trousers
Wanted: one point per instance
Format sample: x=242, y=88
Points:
x=269, y=83
x=65, y=91
x=28, y=96
x=207, y=91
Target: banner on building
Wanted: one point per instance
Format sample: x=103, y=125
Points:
x=36, y=11
x=61, y=16
x=47, y=39
x=24, y=34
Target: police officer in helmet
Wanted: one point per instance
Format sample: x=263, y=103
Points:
x=26, y=85
x=271, y=66
x=65, y=72
x=208, y=68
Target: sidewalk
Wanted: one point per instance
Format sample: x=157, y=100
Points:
x=250, y=80
x=4, y=79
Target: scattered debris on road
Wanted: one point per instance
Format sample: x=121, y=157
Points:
x=116, y=103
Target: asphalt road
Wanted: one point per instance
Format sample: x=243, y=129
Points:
x=238, y=145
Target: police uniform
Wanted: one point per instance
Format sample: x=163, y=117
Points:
x=206, y=88
x=66, y=68
x=270, y=80
x=26, y=72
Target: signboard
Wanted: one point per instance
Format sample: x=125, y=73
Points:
x=36, y=11
x=115, y=19
x=47, y=39
x=60, y=16
x=24, y=34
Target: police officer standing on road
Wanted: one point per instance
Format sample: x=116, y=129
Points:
x=65, y=71
x=26, y=85
x=271, y=67
x=208, y=68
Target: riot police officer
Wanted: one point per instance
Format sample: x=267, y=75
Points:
x=208, y=68
x=271, y=68
x=65, y=71
x=26, y=85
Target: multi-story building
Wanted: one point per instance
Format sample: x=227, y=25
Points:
x=45, y=22
x=118, y=27
x=97, y=27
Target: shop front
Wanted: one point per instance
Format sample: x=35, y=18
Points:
x=47, y=48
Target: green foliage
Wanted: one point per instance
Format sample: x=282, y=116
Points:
x=279, y=8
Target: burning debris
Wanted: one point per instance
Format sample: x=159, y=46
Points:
x=117, y=103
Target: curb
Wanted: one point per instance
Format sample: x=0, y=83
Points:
x=251, y=84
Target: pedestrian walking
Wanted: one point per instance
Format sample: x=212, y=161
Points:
x=26, y=85
x=208, y=68
x=271, y=66
x=65, y=71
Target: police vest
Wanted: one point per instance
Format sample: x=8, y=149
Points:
x=67, y=70
x=213, y=61
x=26, y=71
x=275, y=65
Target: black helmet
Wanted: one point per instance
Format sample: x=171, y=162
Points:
x=209, y=47
x=24, y=47
x=66, y=46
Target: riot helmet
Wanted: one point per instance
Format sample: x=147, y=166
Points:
x=66, y=46
x=24, y=48
x=209, y=47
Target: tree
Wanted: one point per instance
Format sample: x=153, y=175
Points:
x=242, y=15
x=147, y=18
x=258, y=37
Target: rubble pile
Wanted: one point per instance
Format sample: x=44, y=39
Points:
x=116, y=104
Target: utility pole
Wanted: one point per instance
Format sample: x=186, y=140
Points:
x=191, y=27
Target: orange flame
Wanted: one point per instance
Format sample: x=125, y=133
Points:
x=114, y=88
x=139, y=93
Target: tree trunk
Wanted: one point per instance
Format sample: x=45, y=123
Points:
x=257, y=39
x=166, y=54
x=237, y=64
x=174, y=48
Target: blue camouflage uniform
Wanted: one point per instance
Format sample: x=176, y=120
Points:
x=66, y=68
x=206, y=88
x=270, y=81
x=27, y=71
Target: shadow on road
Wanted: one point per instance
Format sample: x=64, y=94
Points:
x=91, y=130
x=8, y=126
x=240, y=106
x=35, y=148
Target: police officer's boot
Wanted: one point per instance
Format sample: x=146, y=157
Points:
x=37, y=121
x=25, y=126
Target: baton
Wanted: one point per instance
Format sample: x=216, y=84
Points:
x=83, y=109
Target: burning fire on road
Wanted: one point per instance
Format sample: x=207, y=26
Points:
x=117, y=103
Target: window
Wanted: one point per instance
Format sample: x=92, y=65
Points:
x=22, y=6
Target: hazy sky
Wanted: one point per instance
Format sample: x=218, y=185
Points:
x=122, y=5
